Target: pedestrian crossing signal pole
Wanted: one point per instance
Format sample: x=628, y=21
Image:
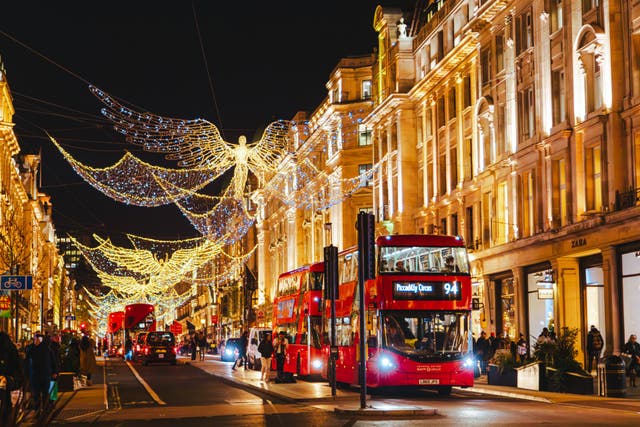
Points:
x=366, y=271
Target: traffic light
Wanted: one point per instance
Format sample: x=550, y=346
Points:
x=83, y=326
x=366, y=244
x=331, y=272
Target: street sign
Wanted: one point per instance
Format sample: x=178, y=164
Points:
x=260, y=315
x=214, y=319
x=16, y=283
x=70, y=317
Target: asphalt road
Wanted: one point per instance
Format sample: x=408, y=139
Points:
x=184, y=395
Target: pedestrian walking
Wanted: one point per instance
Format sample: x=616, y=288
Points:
x=265, y=348
x=128, y=348
x=483, y=351
x=193, y=341
x=241, y=361
x=280, y=350
x=10, y=376
x=594, y=346
x=632, y=350
x=522, y=349
x=87, y=357
x=202, y=344
x=41, y=368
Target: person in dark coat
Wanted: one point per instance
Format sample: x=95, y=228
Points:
x=483, y=351
x=242, y=351
x=41, y=366
x=11, y=370
x=594, y=346
x=632, y=350
x=193, y=341
x=266, y=352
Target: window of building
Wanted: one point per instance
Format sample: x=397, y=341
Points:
x=524, y=31
x=366, y=180
x=466, y=87
x=630, y=295
x=593, y=168
x=588, y=5
x=468, y=225
x=453, y=165
x=527, y=203
x=499, y=53
x=526, y=113
x=440, y=116
x=541, y=310
x=555, y=15
x=364, y=136
x=428, y=131
x=485, y=66
x=452, y=103
x=366, y=89
x=558, y=94
x=443, y=226
x=559, y=197
x=454, y=224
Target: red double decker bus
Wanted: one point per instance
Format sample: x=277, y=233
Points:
x=138, y=319
x=418, y=315
x=115, y=322
x=297, y=310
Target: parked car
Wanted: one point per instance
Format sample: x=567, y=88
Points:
x=159, y=347
x=253, y=355
x=231, y=350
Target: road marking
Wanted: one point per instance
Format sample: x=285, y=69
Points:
x=104, y=381
x=146, y=386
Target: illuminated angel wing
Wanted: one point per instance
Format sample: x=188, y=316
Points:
x=193, y=143
x=265, y=155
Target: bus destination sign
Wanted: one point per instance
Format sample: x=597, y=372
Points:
x=437, y=291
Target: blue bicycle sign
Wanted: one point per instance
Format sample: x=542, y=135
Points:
x=16, y=283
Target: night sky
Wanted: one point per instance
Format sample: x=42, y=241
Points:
x=266, y=61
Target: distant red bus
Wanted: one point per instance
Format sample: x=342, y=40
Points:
x=115, y=322
x=418, y=315
x=138, y=318
x=297, y=310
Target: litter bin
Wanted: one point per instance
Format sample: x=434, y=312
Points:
x=611, y=376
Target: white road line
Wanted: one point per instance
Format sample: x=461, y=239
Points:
x=146, y=386
x=104, y=381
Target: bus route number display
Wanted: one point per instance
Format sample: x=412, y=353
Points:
x=437, y=291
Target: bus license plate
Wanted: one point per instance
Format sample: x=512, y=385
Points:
x=430, y=381
x=160, y=355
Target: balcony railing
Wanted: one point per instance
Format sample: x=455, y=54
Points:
x=627, y=199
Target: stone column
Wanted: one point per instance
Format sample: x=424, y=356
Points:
x=614, y=338
x=520, y=297
x=568, y=299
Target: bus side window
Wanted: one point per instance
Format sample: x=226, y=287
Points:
x=372, y=341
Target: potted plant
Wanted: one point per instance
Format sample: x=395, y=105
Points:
x=501, y=370
x=564, y=373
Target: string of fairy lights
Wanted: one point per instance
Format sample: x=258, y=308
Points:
x=151, y=270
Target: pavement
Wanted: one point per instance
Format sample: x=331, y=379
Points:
x=87, y=401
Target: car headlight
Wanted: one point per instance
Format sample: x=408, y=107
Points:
x=228, y=352
x=316, y=364
x=468, y=362
x=386, y=363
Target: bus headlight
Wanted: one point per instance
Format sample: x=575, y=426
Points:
x=316, y=364
x=386, y=363
x=469, y=362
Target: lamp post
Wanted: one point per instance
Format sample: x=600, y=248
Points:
x=331, y=291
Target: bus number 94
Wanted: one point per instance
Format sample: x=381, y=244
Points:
x=451, y=288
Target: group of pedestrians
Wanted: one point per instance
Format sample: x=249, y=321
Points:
x=486, y=347
x=36, y=368
x=268, y=349
x=198, y=343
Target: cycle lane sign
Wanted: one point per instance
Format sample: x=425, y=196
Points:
x=16, y=283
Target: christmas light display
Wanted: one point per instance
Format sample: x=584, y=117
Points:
x=134, y=182
x=197, y=143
